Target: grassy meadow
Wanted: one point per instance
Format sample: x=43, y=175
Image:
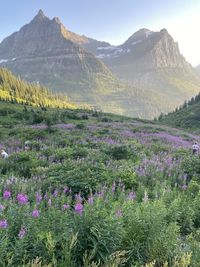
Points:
x=96, y=190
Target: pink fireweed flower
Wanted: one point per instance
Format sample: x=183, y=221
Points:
x=78, y=198
x=22, y=233
x=38, y=198
x=184, y=187
x=131, y=195
x=118, y=213
x=22, y=199
x=2, y=207
x=6, y=194
x=36, y=213
x=55, y=193
x=66, y=189
x=78, y=208
x=90, y=200
x=3, y=224
x=65, y=207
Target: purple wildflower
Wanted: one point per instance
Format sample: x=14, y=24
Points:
x=22, y=198
x=90, y=200
x=65, y=207
x=6, y=194
x=66, y=189
x=78, y=198
x=131, y=195
x=184, y=187
x=118, y=213
x=3, y=223
x=36, y=213
x=78, y=208
x=2, y=207
x=38, y=198
x=184, y=177
x=55, y=193
x=22, y=233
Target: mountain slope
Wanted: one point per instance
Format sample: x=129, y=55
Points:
x=187, y=116
x=152, y=61
x=16, y=90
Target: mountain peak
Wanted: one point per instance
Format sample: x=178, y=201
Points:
x=164, y=31
x=41, y=13
x=40, y=16
x=56, y=20
x=143, y=33
x=138, y=37
x=143, y=30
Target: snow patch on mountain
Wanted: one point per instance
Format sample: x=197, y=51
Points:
x=136, y=42
x=148, y=33
x=111, y=47
x=111, y=51
x=3, y=60
x=6, y=60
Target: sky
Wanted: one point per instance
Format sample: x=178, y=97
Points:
x=113, y=21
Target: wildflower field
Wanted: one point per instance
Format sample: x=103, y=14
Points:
x=96, y=190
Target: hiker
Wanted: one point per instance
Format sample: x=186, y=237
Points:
x=4, y=154
x=195, y=148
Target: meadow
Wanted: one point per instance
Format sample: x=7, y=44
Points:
x=96, y=190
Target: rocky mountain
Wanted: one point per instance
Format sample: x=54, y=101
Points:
x=152, y=61
x=97, y=73
x=44, y=51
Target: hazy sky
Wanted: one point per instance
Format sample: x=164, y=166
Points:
x=113, y=20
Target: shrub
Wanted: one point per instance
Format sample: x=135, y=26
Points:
x=119, y=152
x=21, y=164
x=148, y=237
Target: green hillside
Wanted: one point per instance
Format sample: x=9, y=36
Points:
x=187, y=116
x=16, y=90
